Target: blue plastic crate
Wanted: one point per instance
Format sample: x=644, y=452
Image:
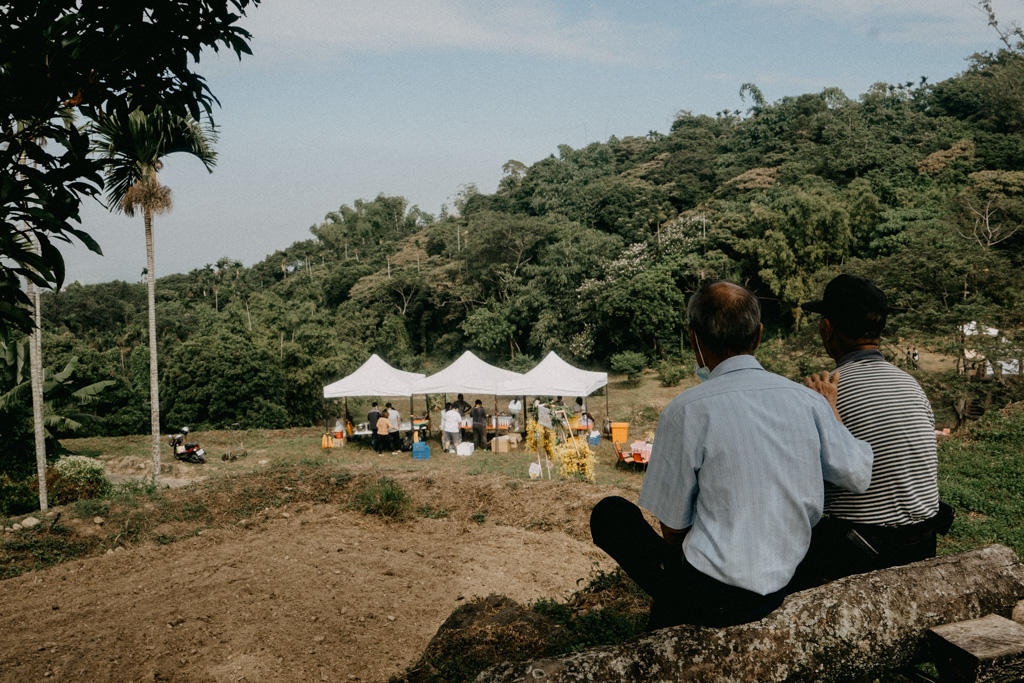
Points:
x=594, y=439
x=420, y=451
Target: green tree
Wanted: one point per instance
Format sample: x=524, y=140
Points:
x=64, y=395
x=134, y=147
x=90, y=59
x=219, y=379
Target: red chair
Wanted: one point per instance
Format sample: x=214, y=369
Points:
x=623, y=460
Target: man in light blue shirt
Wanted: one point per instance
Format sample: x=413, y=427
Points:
x=735, y=478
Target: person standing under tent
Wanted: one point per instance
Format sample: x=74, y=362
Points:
x=479, y=415
x=460, y=405
x=382, y=431
x=450, y=436
x=371, y=423
x=515, y=407
x=394, y=417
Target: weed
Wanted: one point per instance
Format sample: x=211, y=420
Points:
x=163, y=539
x=193, y=510
x=479, y=517
x=431, y=512
x=540, y=525
x=341, y=478
x=30, y=550
x=92, y=507
x=383, y=497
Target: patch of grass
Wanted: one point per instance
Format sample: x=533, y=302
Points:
x=92, y=507
x=383, y=497
x=981, y=474
x=609, y=609
x=29, y=550
x=341, y=478
x=430, y=512
x=163, y=539
x=193, y=510
x=252, y=499
x=480, y=516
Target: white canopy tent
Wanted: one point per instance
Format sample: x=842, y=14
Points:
x=554, y=377
x=470, y=375
x=375, y=378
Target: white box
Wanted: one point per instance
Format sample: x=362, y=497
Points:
x=465, y=448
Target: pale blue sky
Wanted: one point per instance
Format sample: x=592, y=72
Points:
x=345, y=99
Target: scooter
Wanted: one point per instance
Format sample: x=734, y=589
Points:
x=186, y=452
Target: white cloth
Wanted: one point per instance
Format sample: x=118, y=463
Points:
x=450, y=420
x=544, y=417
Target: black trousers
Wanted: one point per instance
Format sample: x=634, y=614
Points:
x=840, y=548
x=480, y=437
x=680, y=593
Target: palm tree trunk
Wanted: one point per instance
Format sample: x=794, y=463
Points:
x=35, y=350
x=154, y=385
x=35, y=355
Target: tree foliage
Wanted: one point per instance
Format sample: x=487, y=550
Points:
x=64, y=63
x=592, y=252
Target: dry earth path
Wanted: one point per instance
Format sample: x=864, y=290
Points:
x=315, y=592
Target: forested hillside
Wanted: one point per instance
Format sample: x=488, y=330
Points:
x=593, y=251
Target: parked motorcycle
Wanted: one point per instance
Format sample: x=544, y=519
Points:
x=186, y=452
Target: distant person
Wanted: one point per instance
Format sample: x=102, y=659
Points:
x=479, y=416
x=460, y=405
x=450, y=435
x=915, y=356
x=394, y=418
x=371, y=422
x=579, y=407
x=515, y=408
x=896, y=520
x=735, y=478
x=382, y=432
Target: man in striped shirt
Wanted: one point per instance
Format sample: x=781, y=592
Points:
x=894, y=521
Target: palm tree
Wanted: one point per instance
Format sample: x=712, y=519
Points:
x=134, y=149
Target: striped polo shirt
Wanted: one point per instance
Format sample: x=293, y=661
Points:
x=883, y=405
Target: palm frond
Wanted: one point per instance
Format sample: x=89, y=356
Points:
x=132, y=148
x=88, y=394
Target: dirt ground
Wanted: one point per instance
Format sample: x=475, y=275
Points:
x=305, y=592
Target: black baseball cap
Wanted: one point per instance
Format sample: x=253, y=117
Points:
x=854, y=305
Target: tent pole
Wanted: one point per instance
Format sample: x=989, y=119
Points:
x=607, y=414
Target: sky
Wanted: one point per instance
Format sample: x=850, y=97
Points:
x=346, y=99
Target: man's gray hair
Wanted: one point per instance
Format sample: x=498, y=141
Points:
x=725, y=318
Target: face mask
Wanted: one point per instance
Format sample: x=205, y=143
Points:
x=703, y=372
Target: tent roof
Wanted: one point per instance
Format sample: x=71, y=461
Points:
x=469, y=375
x=375, y=378
x=554, y=377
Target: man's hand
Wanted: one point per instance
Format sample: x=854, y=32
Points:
x=828, y=386
x=674, y=537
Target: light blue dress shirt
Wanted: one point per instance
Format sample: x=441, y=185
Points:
x=741, y=459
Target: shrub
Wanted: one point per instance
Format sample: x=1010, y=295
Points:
x=670, y=374
x=383, y=497
x=630, y=364
x=80, y=478
x=16, y=497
